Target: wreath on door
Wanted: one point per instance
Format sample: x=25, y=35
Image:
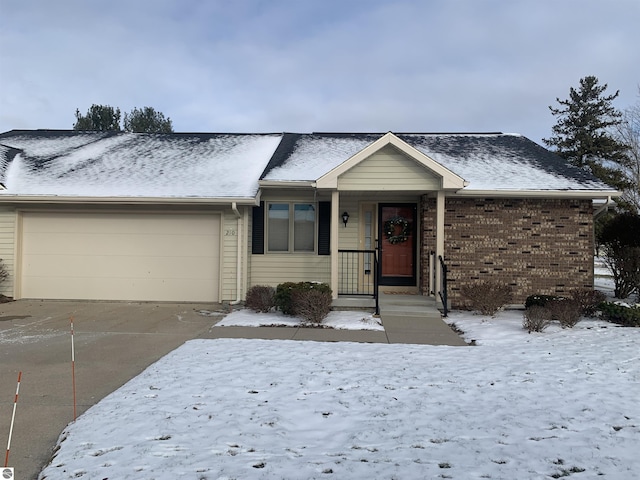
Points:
x=391, y=230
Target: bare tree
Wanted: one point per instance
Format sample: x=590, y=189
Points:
x=628, y=132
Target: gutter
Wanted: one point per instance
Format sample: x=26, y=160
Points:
x=539, y=193
x=287, y=183
x=234, y=208
x=54, y=199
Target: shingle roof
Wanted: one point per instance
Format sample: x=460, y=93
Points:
x=492, y=161
x=229, y=165
x=114, y=164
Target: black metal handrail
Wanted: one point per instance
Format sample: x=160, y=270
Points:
x=358, y=274
x=443, y=287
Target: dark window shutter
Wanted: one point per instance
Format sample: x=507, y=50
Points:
x=324, y=228
x=257, y=230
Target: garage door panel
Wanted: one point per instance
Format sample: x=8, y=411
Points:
x=120, y=256
x=107, y=223
x=117, y=267
x=118, y=244
x=164, y=291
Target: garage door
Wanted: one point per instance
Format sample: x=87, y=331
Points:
x=120, y=256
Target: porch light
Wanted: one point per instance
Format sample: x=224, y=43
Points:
x=345, y=218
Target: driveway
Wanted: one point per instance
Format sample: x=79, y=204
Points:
x=114, y=342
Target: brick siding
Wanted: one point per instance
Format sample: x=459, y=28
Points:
x=534, y=245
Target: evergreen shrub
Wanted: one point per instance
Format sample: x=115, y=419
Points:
x=621, y=313
x=540, y=300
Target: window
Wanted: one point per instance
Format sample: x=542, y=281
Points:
x=278, y=227
x=283, y=234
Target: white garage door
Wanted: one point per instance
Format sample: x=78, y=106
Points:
x=120, y=256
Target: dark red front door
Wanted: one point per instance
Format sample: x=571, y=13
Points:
x=397, y=243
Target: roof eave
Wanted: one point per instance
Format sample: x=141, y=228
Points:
x=286, y=184
x=71, y=200
x=539, y=193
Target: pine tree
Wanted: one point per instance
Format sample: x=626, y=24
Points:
x=98, y=117
x=139, y=120
x=147, y=120
x=583, y=133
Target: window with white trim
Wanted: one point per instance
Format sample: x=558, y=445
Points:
x=291, y=227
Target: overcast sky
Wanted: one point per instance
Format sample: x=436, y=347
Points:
x=314, y=65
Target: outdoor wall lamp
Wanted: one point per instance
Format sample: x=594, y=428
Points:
x=345, y=218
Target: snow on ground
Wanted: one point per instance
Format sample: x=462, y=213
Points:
x=528, y=406
x=337, y=320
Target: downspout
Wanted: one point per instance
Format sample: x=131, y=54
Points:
x=238, y=299
x=603, y=207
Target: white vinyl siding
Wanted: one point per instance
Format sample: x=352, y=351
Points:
x=279, y=268
x=230, y=236
x=7, y=248
x=120, y=256
x=388, y=170
x=348, y=236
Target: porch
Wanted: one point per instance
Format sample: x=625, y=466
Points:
x=359, y=287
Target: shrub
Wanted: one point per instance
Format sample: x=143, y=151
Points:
x=4, y=274
x=621, y=313
x=539, y=300
x=284, y=294
x=588, y=300
x=624, y=263
x=566, y=311
x=311, y=305
x=620, y=238
x=536, y=318
x=488, y=296
x=260, y=298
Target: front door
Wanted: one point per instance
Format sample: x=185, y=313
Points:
x=397, y=235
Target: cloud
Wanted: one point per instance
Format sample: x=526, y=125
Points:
x=252, y=65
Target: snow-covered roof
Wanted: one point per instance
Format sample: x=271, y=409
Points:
x=229, y=166
x=110, y=164
x=496, y=161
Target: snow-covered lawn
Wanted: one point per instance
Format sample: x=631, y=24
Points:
x=517, y=406
x=337, y=320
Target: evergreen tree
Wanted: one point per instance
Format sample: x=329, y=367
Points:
x=98, y=117
x=583, y=132
x=106, y=118
x=147, y=120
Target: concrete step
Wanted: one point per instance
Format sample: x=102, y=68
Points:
x=409, y=309
x=418, y=300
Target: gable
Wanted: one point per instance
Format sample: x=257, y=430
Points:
x=447, y=179
x=388, y=169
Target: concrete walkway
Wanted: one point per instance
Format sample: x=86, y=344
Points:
x=415, y=319
x=412, y=319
